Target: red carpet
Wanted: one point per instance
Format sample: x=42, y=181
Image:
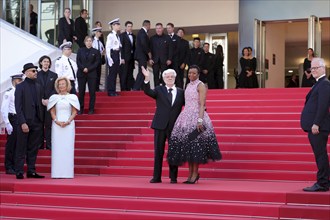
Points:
x=266, y=162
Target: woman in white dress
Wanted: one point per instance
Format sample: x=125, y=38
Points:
x=63, y=108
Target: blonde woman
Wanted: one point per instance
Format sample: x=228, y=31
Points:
x=63, y=108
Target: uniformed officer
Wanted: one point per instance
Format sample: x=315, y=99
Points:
x=113, y=46
x=97, y=44
x=67, y=67
x=9, y=117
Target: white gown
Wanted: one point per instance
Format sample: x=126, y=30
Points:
x=62, y=165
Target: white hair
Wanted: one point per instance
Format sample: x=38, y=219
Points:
x=169, y=71
x=319, y=61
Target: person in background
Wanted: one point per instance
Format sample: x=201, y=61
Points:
x=66, y=28
x=98, y=24
x=183, y=57
x=294, y=83
x=28, y=96
x=142, y=52
x=88, y=60
x=247, y=77
x=207, y=75
x=169, y=103
x=197, y=55
x=193, y=139
x=161, y=53
x=9, y=116
x=63, y=108
x=127, y=39
x=219, y=57
x=98, y=45
x=175, y=46
x=33, y=21
x=67, y=67
x=81, y=28
x=46, y=79
x=308, y=79
x=315, y=120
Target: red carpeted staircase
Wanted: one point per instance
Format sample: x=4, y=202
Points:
x=266, y=162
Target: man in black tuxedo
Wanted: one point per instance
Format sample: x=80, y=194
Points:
x=81, y=27
x=315, y=119
x=142, y=52
x=46, y=80
x=183, y=57
x=197, y=55
x=30, y=114
x=66, y=28
x=175, y=39
x=88, y=60
x=207, y=75
x=161, y=53
x=127, y=40
x=169, y=102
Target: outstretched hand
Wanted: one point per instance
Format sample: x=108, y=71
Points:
x=146, y=73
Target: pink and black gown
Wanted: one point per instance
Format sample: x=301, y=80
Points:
x=201, y=149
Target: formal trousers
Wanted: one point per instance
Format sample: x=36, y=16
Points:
x=113, y=72
x=91, y=81
x=140, y=77
x=11, y=143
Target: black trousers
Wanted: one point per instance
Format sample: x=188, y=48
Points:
x=98, y=78
x=319, y=146
x=27, y=147
x=47, y=128
x=113, y=72
x=157, y=69
x=11, y=144
x=159, y=148
x=127, y=75
x=140, y=77
x=73, y=87
x=91, y=81
x=179, y=78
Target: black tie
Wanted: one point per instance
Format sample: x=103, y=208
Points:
x=74, y=74
x=169, y=96
x=98, y=45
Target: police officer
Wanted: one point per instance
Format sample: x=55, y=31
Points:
x=97, y=44
x=67, y=67
x=9, y=117
x=113, y=46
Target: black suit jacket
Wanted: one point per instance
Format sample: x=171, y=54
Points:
x=81, y=30
x=165, y=114
x=161, y=48
x=90, y=59
x=65, y=30
x=142, y=46
x=47, y=86
x=197, y=57
x=127, y=48
x=317, y=107
x=26, y=109
x=183, y=51
x=175, y=40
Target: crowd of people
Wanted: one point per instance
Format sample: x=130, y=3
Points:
x=39, y=112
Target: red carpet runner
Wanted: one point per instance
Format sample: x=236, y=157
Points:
x=266, y=162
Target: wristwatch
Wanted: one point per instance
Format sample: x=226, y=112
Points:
x=55, y=120
x=199, y=120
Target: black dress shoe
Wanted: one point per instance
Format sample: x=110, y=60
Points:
x=155, y=181
x=10, y=171
x=49, y=147
x=174, y=181
x=90, y=112
x=316, y=188
x=19, y=176
x=34, y=175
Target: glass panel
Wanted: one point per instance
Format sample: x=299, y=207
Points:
x=221, y=39
x=260, y=51
x=15, y=13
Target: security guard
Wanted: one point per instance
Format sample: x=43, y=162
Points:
x=9, y=117
x=67, y=67
x=97, y=44
x=113, y=46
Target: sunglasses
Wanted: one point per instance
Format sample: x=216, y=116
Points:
x=33, y=71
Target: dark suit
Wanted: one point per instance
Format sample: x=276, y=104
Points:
x=90, y=59
x=183, y=58
x=141, y=55
x=175, y=40
x=317, y=111
x=127, y=53
x=161, y=51
x=209, y=65
x=197, y=57
x=163, y=123
x=81, y=31
x=47, y=82
x=65, y=30
x=29, y=110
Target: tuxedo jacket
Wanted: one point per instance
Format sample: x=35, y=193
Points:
x=183, y=51
x=127, y=48
x=47, y=86
x=161, y=48
x=197, y=57
x=26, y=109
x=90, y=59
x=65, y=30
x=175, y=40
x=142, y=46
x=317, y=107
x=166, y=114
x=81, y=29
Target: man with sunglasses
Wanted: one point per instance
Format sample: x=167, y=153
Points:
x=315, y=119
x=28, y=96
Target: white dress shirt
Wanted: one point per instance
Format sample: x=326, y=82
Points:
x=63, y=68
x=97, y=44
x=113, y=43
x=174, y=92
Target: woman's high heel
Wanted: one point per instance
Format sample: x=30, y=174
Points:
x=196, y=180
